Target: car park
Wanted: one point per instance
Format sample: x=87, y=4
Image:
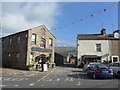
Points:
x=115, y=66
x=99, y=70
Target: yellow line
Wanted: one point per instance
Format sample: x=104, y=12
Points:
x=42, y=78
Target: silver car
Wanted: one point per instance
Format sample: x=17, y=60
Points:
x=87, y=65
x=115, y=66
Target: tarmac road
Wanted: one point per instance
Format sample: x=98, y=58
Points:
x=66, y=76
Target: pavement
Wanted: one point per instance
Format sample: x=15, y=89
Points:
x=66, y=76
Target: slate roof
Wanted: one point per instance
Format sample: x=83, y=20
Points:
x=96, y=37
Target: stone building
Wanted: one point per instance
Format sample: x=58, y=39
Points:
x=101, y=47
x=27, y=48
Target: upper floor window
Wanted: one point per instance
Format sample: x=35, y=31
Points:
x=33, y=39
x=50, y=42
x=18, y=39
x=43, y=43
x=17, y=56
x=43, y=32
x=98, y=47
x=10, y=41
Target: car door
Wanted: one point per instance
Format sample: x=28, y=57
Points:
x=91, y=69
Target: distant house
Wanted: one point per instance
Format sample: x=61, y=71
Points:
x=22, y=49
x=98, y=47
x=59, y=59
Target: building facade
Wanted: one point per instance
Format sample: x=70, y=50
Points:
x=98, y=47
x=27, y=48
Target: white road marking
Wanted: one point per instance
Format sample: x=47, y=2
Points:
x=14, y=79
x=69, y=79
x=30, y=75
x=7, y=79
x=58, y=79
x=78, y=83
x=21, y=79
x=2, y=85
x=8, y=85
x=50, y=80
x=31, y=84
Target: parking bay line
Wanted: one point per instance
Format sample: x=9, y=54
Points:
x=41, y=78
x=78, y=79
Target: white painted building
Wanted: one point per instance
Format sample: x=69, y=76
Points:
x=94, y=47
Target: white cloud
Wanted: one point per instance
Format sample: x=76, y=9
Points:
x=21, y=16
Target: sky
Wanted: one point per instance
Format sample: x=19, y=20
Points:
x=19, y=16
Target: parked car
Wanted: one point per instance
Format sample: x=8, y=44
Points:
x=87, y=65
x=115, y=66
x=99, y=70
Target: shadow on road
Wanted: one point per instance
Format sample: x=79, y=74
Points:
x=68, y=65
x=80, y=76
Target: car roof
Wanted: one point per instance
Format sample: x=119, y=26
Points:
x=94, y=63
x=116, y=62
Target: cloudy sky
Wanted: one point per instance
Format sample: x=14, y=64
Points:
x=19, y=16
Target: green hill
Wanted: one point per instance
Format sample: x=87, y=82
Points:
x=67, y=50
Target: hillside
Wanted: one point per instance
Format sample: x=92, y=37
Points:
x=67, y=50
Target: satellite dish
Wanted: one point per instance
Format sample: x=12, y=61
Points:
x=116, y=35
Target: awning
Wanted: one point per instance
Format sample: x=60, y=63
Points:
x=90, y=56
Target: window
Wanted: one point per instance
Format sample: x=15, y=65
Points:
x=43, y=43
x=50, y=42
x=9, y=55
x=33, y=39
x=18, y=39
x=10, y=41
x=17, y=56
x=98, y=47
x=43, y=32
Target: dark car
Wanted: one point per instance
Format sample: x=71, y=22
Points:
x=99, y=70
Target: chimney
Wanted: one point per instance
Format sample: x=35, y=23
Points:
x=103, y=31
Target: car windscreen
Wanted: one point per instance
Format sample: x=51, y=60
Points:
x=102, y=66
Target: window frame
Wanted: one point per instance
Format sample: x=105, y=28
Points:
x=33, y=41
x=98, y=48
x=43, y=45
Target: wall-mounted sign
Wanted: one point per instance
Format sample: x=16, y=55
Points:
x=40, y=49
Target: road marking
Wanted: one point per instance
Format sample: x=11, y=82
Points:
x=21, y=79
x=30, y=75
x=78, y=79
x=58, y=79
x=69, y=79
x=2, y=85
x=14, y=79
x=50, y=80
x=7, y=79
x=8, y=85
x=42, y=78
x=78, y=83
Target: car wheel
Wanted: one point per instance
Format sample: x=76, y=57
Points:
x=87, y=72
x=119, y=75
x=94, y=76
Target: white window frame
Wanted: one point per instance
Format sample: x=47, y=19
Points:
x=97, y=48
x=115, y=57
x=18, y=38
x=33, y=39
